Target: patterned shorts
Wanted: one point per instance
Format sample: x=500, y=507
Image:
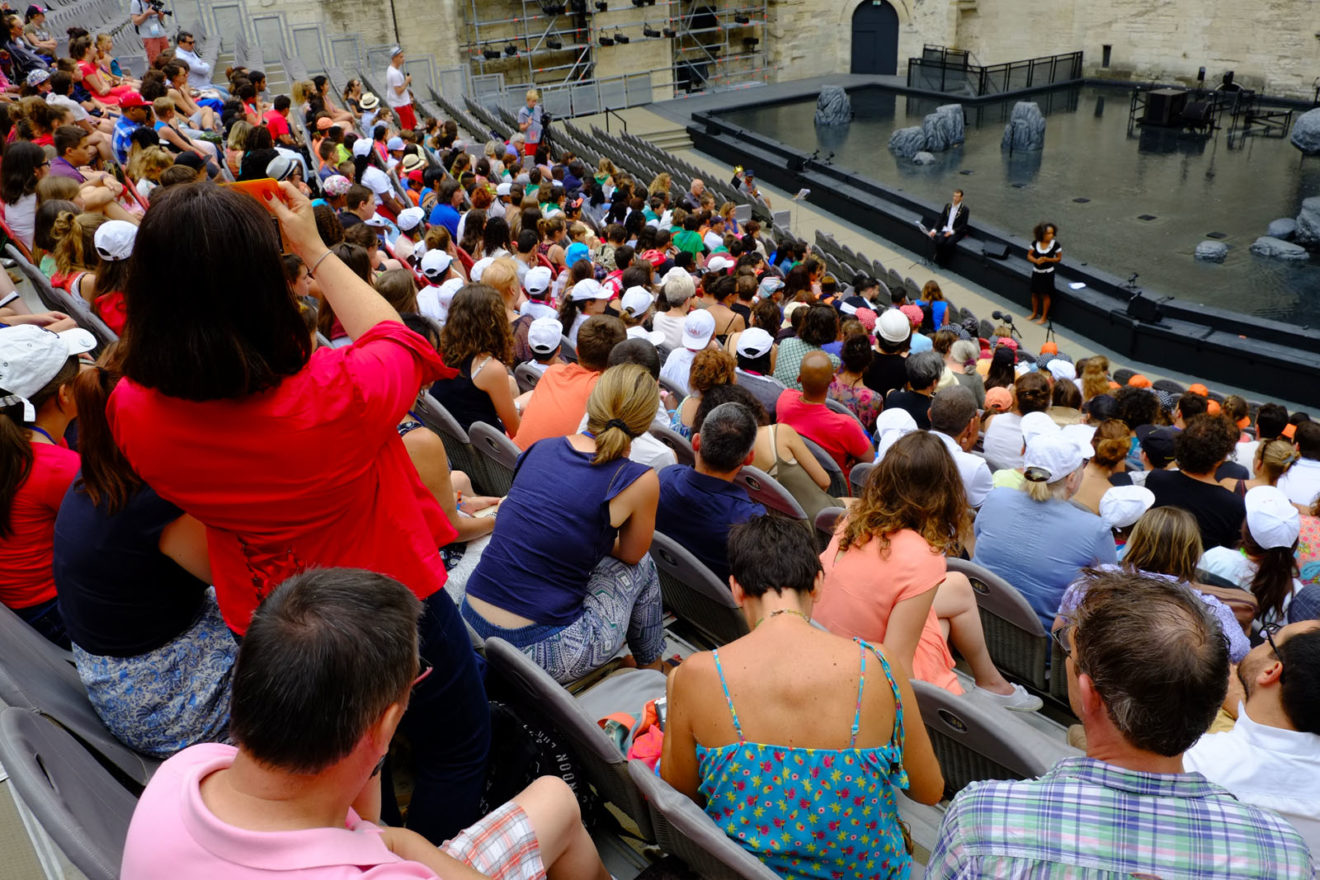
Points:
x=502, y=846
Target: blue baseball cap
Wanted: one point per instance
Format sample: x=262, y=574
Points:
x=576, y=251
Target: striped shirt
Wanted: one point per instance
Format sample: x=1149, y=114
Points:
x=1088, y=820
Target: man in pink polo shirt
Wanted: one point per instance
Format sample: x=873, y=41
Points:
x=321, y=682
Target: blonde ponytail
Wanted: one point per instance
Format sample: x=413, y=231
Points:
x=622, y=406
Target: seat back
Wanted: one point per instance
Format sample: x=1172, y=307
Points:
x=61, y=300
x=684, y=830
x=601, y=761
x=673, y=388
x=35, y=674
x=680, y=445
x=695, y=594
x=976, y=740
x=838, y=482
x=826, y=522
x=526, y=376
x=463, y=456
x=766, y=490
x=858, y=475
x=78, y=802
x=1014, y=636
x=843, y=410
x=500, y=457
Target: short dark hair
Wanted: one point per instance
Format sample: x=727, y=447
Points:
x=728, y=433
x=772, y=553
x=1136, y=406
x=635, y=351
x=1157, y=658
x=61, y=82
x=326, y=653
x=282, y=103
x=357, y=196
x=1271, y=420
x=239, y=331
x=856, y=354
x=1202, y=444
x=722, y=394
x=1066, y=394
x=67, y=137
x=1307, y=437
x=820, y=325
x=952, y=410
x=596, y=338
x=1100, y=408
x=1190, y=404
x=1300, y=683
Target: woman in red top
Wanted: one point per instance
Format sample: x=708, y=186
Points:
x=290, y=457
x=37, y=368
x=80, y=49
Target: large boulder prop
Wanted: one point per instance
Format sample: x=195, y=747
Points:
x=833, y=106
x=944, y=128
x=924, y=158
x=1306, y=132
x=1025, y=130
x=1278, y=249
x=1212, y=251
x=907, y=142
x=1308, y=223
x=1284, y=228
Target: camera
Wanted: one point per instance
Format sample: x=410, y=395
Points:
x=159, y=6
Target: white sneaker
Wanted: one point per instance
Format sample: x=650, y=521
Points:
x=1019, y=700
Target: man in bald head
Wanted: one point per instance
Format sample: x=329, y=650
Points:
x=839, y=434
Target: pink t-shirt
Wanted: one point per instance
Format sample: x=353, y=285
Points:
x=862, y=586
x=836, y=433
x=173, y=834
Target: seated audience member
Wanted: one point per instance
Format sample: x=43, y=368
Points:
x=755, y=350
x=1200, y=448
x=133, y=581
x=586, y=299
x=805, y=411
x=1302, y=482
x=699, y=504
x=37, y=369
x=885, y=575
x=559, y=400
x=1003, y=433
x=1154, y=450
x=571, y=595
x=645, y=449
x=1165, y=542
x=1266, y=563
x=923, y=374
x=888, y=369
x=1110, y=442
x=710, y=367
x=299, y=791
x=297, y=461
x=819, y=328
x=793, y=701
x=848, y=389
x=545, y=339
x=677, y=289
x=1034, y=537
x=953, y=420
x=698, y=328
x=1273, y=460
x=1271, y=419
x=1271, y=757
x=477, y=341
x=1147, y=672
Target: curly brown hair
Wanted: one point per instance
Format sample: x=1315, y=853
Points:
x=477, y=324
x=915, y=486
x=712, y=367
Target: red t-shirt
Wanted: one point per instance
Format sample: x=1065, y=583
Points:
x=310, y=473
x=25, y=555
x=836, y=433
x=278, y=125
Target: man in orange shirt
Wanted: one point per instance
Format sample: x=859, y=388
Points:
x=556, y=407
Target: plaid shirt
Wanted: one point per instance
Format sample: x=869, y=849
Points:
x=1088, y=820
x=123, y=138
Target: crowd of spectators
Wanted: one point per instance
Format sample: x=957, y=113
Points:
x=241, y=520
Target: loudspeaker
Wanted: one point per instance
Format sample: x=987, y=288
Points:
x=1164, y=106
x=796, y=163
x=994, y=251
x=1146, y=310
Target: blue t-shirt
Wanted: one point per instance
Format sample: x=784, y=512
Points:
x=446, y=216
x=697, y=511
x=1039, y=547
x=553, y=529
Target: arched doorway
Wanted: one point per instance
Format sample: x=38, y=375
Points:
x=875, y=38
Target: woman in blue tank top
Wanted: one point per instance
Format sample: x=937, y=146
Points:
x=566, y=576
x=805, y=776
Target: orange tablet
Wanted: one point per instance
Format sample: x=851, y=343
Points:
x=260, y=189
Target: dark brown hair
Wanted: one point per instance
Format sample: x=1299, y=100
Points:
x=915, y=486
x=1111, y=442
x=16, y=456
x=108, y=480
x=1032, y=391
x=478, y=324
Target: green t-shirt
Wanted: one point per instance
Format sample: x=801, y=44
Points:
x=689, y=240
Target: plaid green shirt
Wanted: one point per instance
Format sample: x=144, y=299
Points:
x=1088, y=820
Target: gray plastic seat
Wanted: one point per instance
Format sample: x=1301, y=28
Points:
x=684, y=830
x=78, y=802
x=677, y=443
x=766, y=490
x=500, y=457
x=526, y=376
x=463, y=456
x=603, y=764
x=838, y=482
x=1017, y=642
x=673, y=388
x=695, y=594
x=826, y=522
x=61, y=300
x=858, y=476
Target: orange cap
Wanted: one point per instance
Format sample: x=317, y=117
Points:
x=1139, y=381
x=1212, y=407
x=1288, y=431
x=1198, y=388
x=1244, y=422
x=1049, y=348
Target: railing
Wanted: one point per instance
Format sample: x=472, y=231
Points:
x=949, y=70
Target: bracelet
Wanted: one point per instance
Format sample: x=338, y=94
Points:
x=319, y=260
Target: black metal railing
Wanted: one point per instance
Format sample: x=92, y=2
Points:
x=940, y=69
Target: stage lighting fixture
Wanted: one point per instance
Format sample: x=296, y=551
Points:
x=670, y=32
x=491, y=54
x=741, y=19
x=751, y=42
x=511, y=50
x=620, y=38
x=602, y=6
x=607, y=41
x=553, y=44
x=648, y=31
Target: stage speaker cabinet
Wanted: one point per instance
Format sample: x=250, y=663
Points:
x=994, y=251
x=1165, y=106
x=1145, y=310
x=796, y=164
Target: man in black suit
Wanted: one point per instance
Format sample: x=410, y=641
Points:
x=949, y=228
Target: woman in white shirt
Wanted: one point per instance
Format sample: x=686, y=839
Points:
x=25, y=163
x=371, y=175
x=1003, y=436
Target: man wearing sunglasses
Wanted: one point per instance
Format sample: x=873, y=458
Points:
x=1147, y=670
x=1271, y=757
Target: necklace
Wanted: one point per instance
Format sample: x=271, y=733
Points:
x=782, y=611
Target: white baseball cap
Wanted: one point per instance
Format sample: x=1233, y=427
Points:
x=719, y=263
x=1122, y=506
x=893, y=326
x=891, y=425
x=1081, y=435
x=698, y=328
x=1271, y=518
x=435, y=263
x=537, y=279
x=479, y=268
x=636, y=300
x=31, y=356
x=114, y=240
x=504, y=188
x=1061, y=370
x=545, y=335
x=588, y=288
x=377, y=221
x=410, y=218
x=362, y=146
x=433, y=302
x=754, y=342
x=1051, y=457
x=1036, y=424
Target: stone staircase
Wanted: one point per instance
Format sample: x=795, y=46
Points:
x=671, y=140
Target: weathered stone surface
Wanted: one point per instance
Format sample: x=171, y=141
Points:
x=833, y=106
x=1212, y=251
x=1306, y=132
x=953, y=114
x=924, y=158
x=1308, y=222
x=907, y=142
x=1284, y=228
x=1025, y=129
x=1278, y=249
x=944, y=127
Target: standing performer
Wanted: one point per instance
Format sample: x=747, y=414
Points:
x=1044, y=253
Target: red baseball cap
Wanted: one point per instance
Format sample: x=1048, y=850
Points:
x=132, y=99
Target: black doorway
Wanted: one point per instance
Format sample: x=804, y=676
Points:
x=875, y=38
